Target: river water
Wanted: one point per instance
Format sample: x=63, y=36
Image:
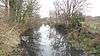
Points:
x=47, y=41
x=51, y=43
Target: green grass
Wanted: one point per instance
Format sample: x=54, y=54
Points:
x=93, y=26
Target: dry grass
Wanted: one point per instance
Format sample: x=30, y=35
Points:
x=9, y=37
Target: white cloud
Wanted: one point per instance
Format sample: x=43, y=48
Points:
x=95, y=8
x=46, y=6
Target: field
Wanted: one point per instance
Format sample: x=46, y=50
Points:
x=93, y=24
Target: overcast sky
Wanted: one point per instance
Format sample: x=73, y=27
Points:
x=47, y=5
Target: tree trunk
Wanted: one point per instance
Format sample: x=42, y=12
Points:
x=6, y=7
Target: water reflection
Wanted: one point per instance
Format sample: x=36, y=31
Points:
x=45, y=48
x=46, y=41
x=51, y=42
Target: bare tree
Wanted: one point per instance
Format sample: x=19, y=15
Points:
x=66, y=9
x=70, y=13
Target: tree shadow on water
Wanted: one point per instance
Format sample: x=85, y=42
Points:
x=29, y=42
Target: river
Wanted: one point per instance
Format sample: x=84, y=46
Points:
x=47, y=41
